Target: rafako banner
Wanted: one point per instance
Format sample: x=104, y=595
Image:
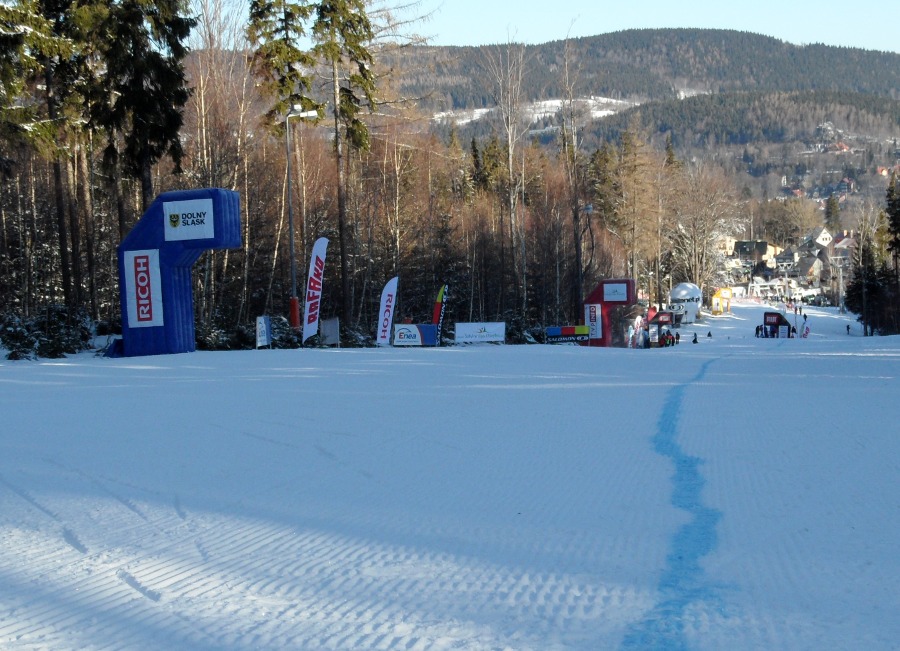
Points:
x=189, y=220
x=314, y=283
x=468, y=333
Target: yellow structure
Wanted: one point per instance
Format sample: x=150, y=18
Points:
x=721, y=301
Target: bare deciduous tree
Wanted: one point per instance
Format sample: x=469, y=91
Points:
x=505, y=65
x=706, y=209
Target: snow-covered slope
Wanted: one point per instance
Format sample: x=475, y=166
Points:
x=740, y=493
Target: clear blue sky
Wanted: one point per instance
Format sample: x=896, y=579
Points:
x=868, y=25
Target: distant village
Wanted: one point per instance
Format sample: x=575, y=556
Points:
x=811, y=271
x=816, y=270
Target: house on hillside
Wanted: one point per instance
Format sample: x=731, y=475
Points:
x=839, y=147
x=786, y=262
x=754, y=257
x=842, y=249
x=809, y=269
x=818, y=238
x=755, y=251
x=725, y=246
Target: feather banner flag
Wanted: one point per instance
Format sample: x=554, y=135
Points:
x=386, y=313
x=440, y=308
x=314, y=288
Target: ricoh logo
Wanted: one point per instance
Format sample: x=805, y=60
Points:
x=143, y=289
x=386, y=317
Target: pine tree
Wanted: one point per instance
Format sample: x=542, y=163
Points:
x=833, y=215
x=14, y=34
x=479, y=178
x=893, y=215
x=142, y=45
x=276, y=30
x=343, y=35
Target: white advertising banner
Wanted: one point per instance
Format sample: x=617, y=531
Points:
x=386, y=313
x=143, y=289
x=314, y=288
x=615, y=292
x=467, y=333
x=263, y=331
x=592, y=319
x=188, y=220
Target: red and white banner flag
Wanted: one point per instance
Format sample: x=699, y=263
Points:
x=314, y=288
x=386, y=313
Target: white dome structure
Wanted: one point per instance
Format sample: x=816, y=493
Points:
x=689, y=296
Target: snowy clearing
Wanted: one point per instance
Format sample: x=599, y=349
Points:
x=737, y=494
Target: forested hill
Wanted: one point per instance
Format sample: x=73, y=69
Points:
x=707, y=121
x=650, y=64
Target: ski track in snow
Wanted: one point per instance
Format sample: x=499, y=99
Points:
x=683, y=584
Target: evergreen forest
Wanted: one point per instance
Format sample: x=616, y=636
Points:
x=105, y=105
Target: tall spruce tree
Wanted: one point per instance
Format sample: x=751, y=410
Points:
x=142, y=44
x=892, y=210
x=276, y=30
x=833, y=214
x=15, y=32
x=343, y=35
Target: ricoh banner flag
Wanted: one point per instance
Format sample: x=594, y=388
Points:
x=440, y=308
x=386, y=313
x=314, y=288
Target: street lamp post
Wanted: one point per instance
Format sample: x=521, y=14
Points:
x=295, y=112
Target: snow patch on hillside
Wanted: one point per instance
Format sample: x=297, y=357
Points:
x=597, y=107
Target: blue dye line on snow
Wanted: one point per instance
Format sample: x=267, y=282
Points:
x=682, y=582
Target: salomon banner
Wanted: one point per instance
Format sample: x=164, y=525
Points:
x=386, y=313
x=314, y=288
x=440, y=308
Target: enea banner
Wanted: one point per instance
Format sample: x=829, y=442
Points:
x=314, y=288
x=386, y=312
x=423, y=334
x=469, y=333
x=143, y=289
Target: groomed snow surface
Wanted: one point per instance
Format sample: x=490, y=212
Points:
x=739, y=494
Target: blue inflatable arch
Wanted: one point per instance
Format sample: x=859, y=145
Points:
x=155, y=261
